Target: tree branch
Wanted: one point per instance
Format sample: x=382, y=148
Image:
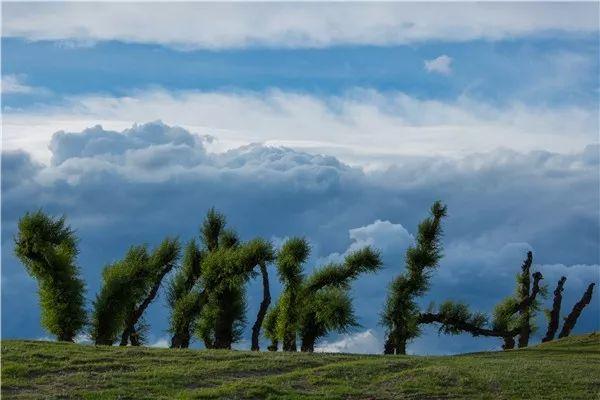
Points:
x=571, y=319
x=555, y=313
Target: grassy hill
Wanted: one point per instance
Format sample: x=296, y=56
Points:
x=565, y=369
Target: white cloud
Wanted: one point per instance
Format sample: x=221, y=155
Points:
x=359, y=343
x=440, y=65
x=160, y=343
x=391, y=239
x=12, y=84
x=226, y=25
x=361, y=127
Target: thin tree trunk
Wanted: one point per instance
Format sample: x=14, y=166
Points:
x=262, y=311
x=139, y=311
x=525, y=311
x=274, y=345
x=555, y=313
x=289, y=341
x=571, y=319
x=388, y=347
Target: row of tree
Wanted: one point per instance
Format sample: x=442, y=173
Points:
x=206, y=291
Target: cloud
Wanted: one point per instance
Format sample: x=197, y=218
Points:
x=15, y=84
x=137, y=185
x=440, y=65
x=161, y=343
x=360, y=127
x=209, y=25
x=360, y=343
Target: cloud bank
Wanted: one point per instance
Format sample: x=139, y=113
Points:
x=120, y=188
x=229, y=25
x=362, y=127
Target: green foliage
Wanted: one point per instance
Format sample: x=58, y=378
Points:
x=454, y=315
x=184, y=298
x=47, y=247
x=225, y=266
x=127, y=284
x=504, y=316
x=401, y=311
x=316, y=305
x=124, y=284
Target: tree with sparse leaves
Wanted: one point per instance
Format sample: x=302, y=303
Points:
x=313, y=306
x=47, y=247
x=401, y=312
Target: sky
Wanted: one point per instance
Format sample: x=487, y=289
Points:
x=338, y=122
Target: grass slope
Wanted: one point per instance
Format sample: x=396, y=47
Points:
x=565, y=369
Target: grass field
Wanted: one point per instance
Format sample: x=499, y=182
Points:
x=565, y=369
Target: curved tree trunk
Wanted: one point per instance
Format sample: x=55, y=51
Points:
x=262, y=311
x=555, y=313
x=524, y=292
x=137, y=313
x=571, y=319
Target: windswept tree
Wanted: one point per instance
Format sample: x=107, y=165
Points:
x=47, y=247
x=185, y=297
x=161, y=262
x=207, y=295
x=225, y=273
x=573, y=316
x=129, y=286
x=313, y=306
x=554, y=315
x=513, y=316
x=517, y=313
x=401, y=313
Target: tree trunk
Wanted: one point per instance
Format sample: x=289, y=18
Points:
x=571, y=319
x=388, y=347
x=509, y=343
x=289, y=341
x=262, y=311
x=308, y=344
x=274, y=345
x=525, y=312
x=125, y=335
x=555, y=313
x=401, y=347
x=139, y=311
x=224, y=321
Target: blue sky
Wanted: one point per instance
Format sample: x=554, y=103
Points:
x=301, y=122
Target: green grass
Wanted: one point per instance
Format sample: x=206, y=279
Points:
x=565, y=369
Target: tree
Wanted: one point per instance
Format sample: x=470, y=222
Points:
x=161, y=262
x=129, y=285
x=512, y=316
x=262, y=311
x=401, y=312
x=184, y=297
x=517, y=313
x=554, y=315
x=47, y=247
x=225, y=272
x=571, y=319
x=314, y=306
x=207, y=296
